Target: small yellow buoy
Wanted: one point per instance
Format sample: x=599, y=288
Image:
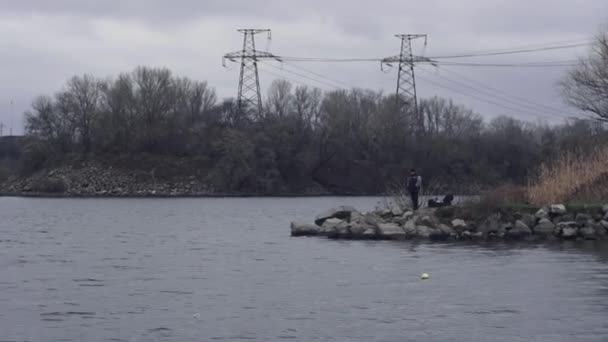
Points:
x=424, y=276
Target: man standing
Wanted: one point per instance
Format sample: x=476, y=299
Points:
x=414, y=183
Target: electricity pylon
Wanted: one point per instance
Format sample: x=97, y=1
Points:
x=249, y=96
x=407, y=101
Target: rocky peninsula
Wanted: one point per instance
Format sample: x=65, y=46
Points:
x=554, y=222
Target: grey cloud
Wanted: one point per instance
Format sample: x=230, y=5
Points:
x=45, y=42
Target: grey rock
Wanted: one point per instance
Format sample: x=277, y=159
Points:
x=587, y=232
x=329, y=227
x=605, y=209
x=428, y=221
x=544, y=227
x=342, y=230
x=557, y=209
x=520, y=230
x=477, y=235
x=582, y=218
x=443, y=232
x=304, y=229
x=369, y=233
x=408, y=215
x=397, y=211
x=424, y=231
x=358, y=228
x=373, y=220
x=491, y=226
x=400, y=220
x=391, y=231
x=410, y=229
x=542, y=214
x=459, y=225
x=342, y=212
x=356, y=216
x=567, y=230
x=604, y=223
x=528, y=219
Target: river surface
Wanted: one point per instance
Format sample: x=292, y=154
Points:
x=227, y=270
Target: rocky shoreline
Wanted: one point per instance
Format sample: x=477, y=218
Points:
x=554, y=222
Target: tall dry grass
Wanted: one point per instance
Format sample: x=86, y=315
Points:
x=566, y=178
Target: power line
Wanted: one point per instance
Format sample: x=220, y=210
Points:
x=285, y=77
x=490, y=101
x=570, y=63
x=319, y=75
x=487, y=87
x=303, y=76
x=500, y=96
x=510, y=52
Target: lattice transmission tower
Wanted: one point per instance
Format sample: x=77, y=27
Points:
x=407, y=101
x=249, y=95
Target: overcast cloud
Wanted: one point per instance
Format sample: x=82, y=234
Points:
x=43, y=42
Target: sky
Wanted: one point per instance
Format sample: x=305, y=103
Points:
x=43, y=43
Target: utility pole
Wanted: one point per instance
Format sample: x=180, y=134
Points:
x=1, y=129
x=407, y=101
x=249, y=96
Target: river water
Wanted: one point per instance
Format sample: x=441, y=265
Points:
x=227, y=270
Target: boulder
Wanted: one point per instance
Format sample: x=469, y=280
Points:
x=544, y=227
x=477, y=235
x=567, y=230
x=557, y=209
x=356, y=216
x=342, y=230
x=408, y=215
x=391, y=231
x=491, y=226
x=373, y=220
x=459, y=225
x=357, y=229
x=582, y=219
x=410, y=229
x=520, y=230
x=342, y=213
x=304, y=229
x=542, y=214
x=443, y=232
x=329, y=227
x=369, y=233
x=528, y=219
x=600, y=231
x=424, y=231
x=606, y=217
x=429, y=221
x=604, y=224
x=587, y=232
x=397, y=211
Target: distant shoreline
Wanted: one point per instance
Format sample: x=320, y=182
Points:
x=193, y=195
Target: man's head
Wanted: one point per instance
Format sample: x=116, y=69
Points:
x=412, y=172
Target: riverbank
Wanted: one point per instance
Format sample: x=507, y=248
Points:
x=555, y=222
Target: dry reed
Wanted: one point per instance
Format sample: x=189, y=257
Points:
x=567, y=177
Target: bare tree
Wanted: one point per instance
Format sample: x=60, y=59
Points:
x=82, y=96
x=280, y=99
x=586, y=86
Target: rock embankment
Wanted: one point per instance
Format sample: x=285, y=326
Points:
x=554, y=222
x=97, y=179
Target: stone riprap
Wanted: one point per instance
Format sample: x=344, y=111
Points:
x=555, y=222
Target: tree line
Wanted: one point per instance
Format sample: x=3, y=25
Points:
x=353, y=140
